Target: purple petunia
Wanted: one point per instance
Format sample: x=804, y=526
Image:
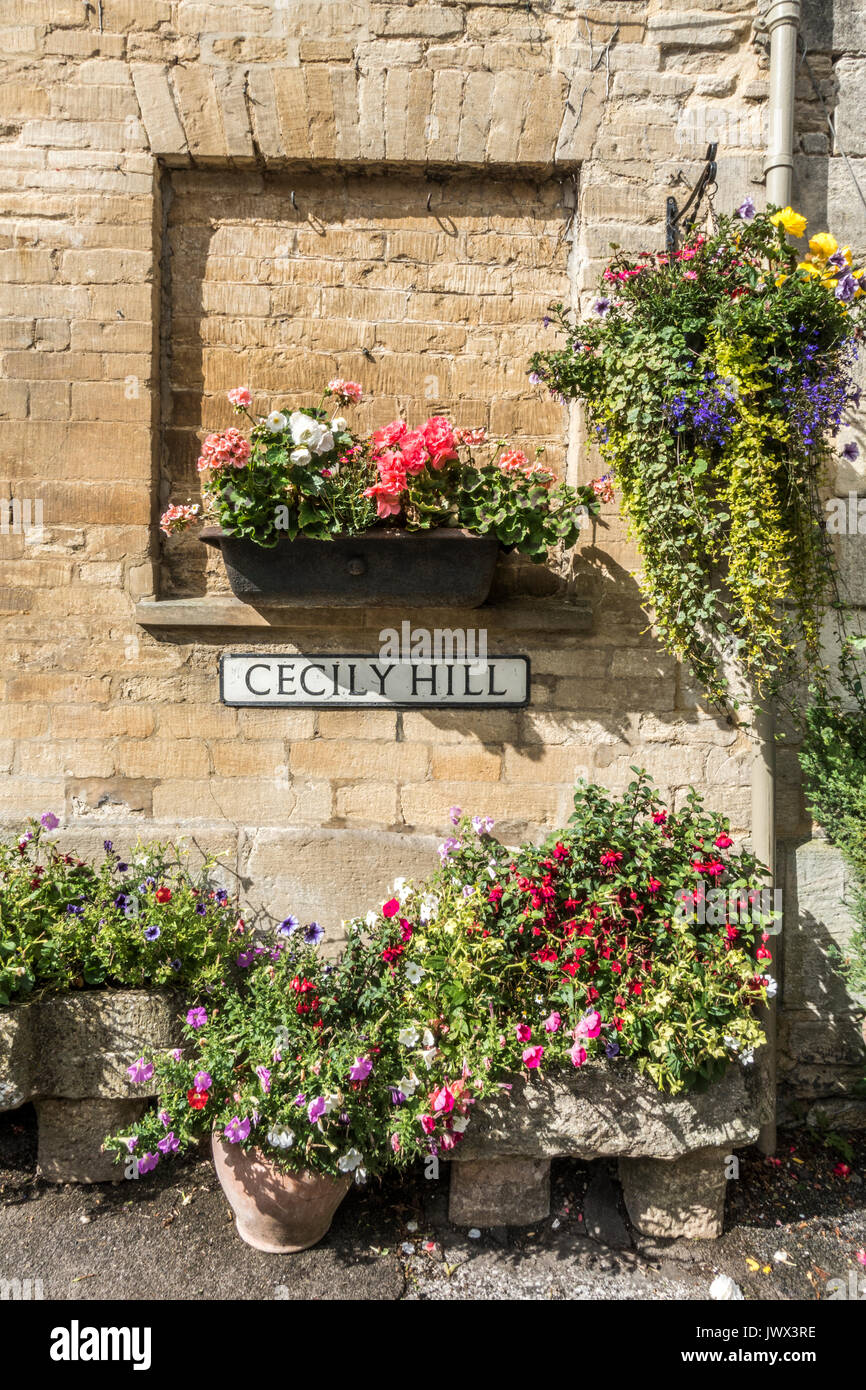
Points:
x=747, y=209
x=237, y=1130
x=313, y=934
x=360, y=1069
x=107, y=846
x=602, y=306
x=140, y=1072
x=196, y=1018
x=170, y=1144
x=288, y=925
x=265, y=1078
x=851, y=451
x=147, y=1163
x=49, y=820
x=152, y=933
x=245, y=959
x=202, y=1081
x=201, y=909
x=316, y=1109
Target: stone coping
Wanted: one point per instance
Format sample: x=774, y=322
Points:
x=610, y=1110
x=556, y=616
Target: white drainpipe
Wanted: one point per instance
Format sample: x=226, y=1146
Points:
x=782, y=18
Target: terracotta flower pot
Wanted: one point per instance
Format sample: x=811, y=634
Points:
x=276, y=1211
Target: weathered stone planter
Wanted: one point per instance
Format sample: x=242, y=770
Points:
x=671, y=1149
x=68, y=1053
x=444, y=567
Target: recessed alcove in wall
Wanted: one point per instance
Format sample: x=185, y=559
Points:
x=428, y=291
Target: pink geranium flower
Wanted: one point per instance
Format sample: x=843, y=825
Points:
x=240, y=397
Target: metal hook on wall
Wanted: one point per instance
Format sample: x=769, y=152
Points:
x=674, y=216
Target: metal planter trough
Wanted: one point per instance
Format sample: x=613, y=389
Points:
x=68, y=1053
x=672, y=1150
x=439, y=568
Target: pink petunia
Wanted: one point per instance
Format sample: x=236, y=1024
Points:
x=524, y=1032
x=578, y=1055
x=552, y=1023
x=532, y=1057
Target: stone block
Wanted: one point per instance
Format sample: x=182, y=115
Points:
x=499, y=1192
x=71, y=1133
x=676, y=1197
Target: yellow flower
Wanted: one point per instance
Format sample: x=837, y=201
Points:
x=793, y=222
x=846, y=252
x=809, y=268
x=823, y=245
x=780, y=280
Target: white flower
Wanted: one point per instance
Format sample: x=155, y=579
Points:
x=408, y=1085
x=748, y=1058
x=429, y=908
x=408, y=1037
x=372, y=918
x=427, y=1038
x=281, y=1137
x=324, y=444
x=428, y=1056
x=300, y=455
x=339, y=424
x=724, y=1290
x=459, y=1123
x=348, y=1162
x=772, y=987
x=730, y=1042
x=305, y=430
x=276, y=422
x=414, y=972
x=401, y=890
x=331, y=1103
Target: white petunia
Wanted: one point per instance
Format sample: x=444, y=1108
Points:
x=772, y=987
x=276, y=422
x=459, y=1123
x=427, y=1038
x=408, y=1037
x=281, y=1137
x=408, y=1085
x=429, y=908
x=372, y=918
x=401, y=889
x=429, y=1056
x=352, y=1162
x=414, y=972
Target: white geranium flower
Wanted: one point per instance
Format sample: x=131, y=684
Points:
x=276, y=422
x=348, y=1162
x=281, y=1137
x=300, y=455
x=339, y=424
x=408, y=1037
x=305, y=430
x=414, y=972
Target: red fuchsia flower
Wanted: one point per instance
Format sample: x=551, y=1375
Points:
x=197, y=1099
x=659, y=817
x=347, y=392
x=495, y=895
x=390, y=908
x=524, y=1032
x=714, y=869
x=552, y=1023
x=577, y=1055
x=654, y=885
x=762, y=952
x=163, y=895
x=428, y=1124
x=439, y=438
x=723, y=841
x=532, y=1057
x=610, y=859
x=240, y=397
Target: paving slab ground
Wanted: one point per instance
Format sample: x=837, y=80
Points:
x=793, y=1225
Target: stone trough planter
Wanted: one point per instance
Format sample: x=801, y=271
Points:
x=672, y=1150
x=68, y=1053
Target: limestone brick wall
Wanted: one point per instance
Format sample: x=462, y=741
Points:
x=454, y=167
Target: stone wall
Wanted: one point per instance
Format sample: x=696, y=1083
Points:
x=454, y=166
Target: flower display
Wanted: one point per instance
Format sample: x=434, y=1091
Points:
x=714, y=382
x=70, y=924
x=304, y=471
